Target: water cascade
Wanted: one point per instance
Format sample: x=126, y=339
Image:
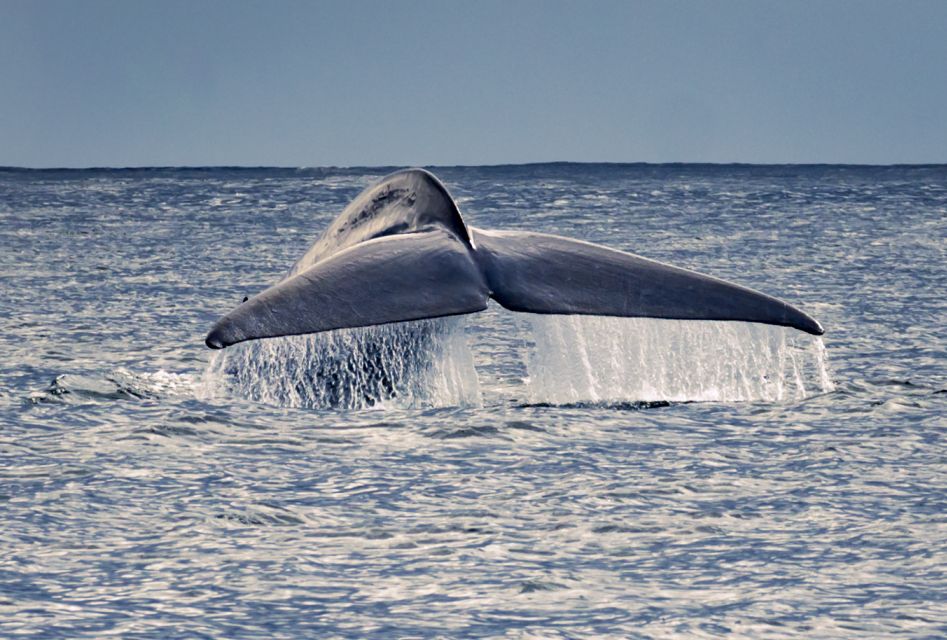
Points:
x=577, y=359
x=569, y=360
x=408, y=364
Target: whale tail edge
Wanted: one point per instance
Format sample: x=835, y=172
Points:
x=396, y=278
x=548, y=274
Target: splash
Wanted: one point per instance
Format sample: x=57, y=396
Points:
x=571, y=359
x=577, y=359
x=410, y=364
x=118, y=384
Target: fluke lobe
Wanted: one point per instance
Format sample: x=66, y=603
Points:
x=401, y=251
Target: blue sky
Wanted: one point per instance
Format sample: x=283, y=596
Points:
x=129, y=83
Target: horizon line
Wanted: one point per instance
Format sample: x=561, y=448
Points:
x=251, y=167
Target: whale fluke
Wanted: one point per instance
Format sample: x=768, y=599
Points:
x=542, y=273
x=401, y=251
x=389, y=279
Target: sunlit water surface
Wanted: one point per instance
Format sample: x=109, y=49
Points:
x=493, y=475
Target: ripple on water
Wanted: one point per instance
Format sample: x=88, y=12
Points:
x=137, y=505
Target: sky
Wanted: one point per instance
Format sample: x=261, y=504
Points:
x=363, y=83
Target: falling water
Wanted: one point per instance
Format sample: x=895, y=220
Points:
x=409, y=364
x=571, y=359
x=577, y=359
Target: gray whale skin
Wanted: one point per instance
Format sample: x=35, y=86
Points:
x=400, y=251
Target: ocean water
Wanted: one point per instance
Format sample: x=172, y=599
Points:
x=494, y=475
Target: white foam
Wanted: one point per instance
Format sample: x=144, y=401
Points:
x=409, y=364
x=160, y=382
x=577, y=359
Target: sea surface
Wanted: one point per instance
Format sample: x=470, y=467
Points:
x=493, y=475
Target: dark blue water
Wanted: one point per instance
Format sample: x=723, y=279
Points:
x=533, y=477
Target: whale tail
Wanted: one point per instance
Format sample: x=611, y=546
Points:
x=433, y=273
